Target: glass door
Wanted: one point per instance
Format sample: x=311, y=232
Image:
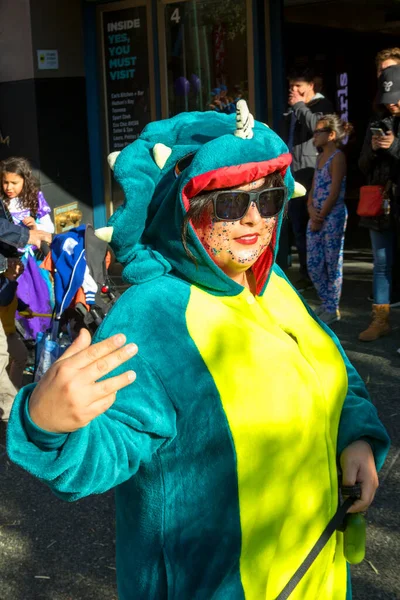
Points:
x=205, y=55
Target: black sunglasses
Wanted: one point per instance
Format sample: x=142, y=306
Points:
x=322, y=130
x=233, y=205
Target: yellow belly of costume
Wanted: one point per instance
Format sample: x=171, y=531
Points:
x=282, y=384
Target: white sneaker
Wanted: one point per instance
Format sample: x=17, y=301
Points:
x=329, y=317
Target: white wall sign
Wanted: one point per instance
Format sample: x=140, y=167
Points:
x=47, y=59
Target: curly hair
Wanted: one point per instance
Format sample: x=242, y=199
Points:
x=341, y=128
x=388, y=53
x=29, y=195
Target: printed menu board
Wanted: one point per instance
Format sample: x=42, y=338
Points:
x=126, y=66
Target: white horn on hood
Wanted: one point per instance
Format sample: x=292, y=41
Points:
x=299, y=190
x=111, y=158
x=244, y=121
x=104, y=233
x=161, y=154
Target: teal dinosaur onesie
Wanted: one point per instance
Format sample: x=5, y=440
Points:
x=223, y=452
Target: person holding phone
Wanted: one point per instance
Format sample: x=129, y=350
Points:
x=377, y=132
x=389, y=96
x=379, y=163
x=381, y=139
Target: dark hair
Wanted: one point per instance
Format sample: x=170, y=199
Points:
x=341, y=128
x=29, y=194
x=199, y=204
x=305, y=74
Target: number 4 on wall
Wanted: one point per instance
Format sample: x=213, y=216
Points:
x=176, y=16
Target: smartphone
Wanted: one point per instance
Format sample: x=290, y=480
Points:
x=377, y=131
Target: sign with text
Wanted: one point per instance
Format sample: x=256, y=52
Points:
x=342, y=99
x=126, y=72
x=47, y=59
x=67, y=216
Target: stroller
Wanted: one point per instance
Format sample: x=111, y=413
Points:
x=84, y=293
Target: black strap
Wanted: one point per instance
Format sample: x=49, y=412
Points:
x=334, y=523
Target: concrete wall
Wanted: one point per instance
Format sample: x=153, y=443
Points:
x=17, y=91
x=16, y=60
x=44, y=111
x=58, y=26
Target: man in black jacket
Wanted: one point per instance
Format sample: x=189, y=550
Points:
x=380, y=163
x=12, y=237
x=305, y=109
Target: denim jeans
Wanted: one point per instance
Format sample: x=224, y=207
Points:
x=383, y=251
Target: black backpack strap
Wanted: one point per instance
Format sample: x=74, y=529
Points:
x=335, y=523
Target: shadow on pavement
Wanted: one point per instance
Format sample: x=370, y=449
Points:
x=53, y=550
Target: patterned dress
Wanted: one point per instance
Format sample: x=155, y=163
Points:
x=325, y=247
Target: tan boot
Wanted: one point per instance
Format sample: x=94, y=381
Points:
x=379, y=325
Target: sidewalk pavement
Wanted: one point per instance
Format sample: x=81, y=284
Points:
x=51, y=550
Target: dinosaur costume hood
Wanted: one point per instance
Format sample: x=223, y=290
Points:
x=147, y=228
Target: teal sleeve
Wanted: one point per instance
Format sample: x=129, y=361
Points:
x=359, y=418
x=43, y=439
x=105, y=453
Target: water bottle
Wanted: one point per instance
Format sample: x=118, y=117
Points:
x=354, y=538
x=64, y=341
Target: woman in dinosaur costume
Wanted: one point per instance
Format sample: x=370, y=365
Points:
x=222, y=433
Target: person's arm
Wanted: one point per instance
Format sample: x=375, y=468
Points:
x=359, y=419
x=390, y=144
x=19, y=237
x=75, y=434
x=14, y=235
x=368, y=155
x=306, y=117
x=361, y=435
x=394, y=149
x=362, y=442
x=312, y=212
x=338, y=172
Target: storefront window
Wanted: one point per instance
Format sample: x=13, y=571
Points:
x=206, y=45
